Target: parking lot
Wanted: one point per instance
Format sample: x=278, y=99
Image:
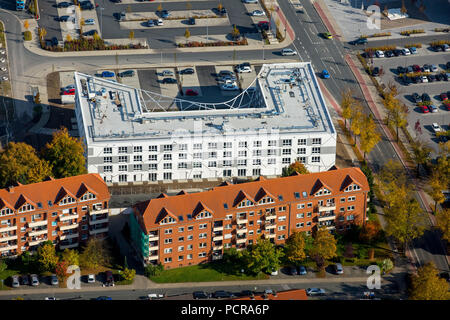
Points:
x=433, y=89
x=106, y=16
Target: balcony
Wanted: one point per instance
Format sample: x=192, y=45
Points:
x=270, y=235
x=37, y=241
x=68, y=246
x=242, y=230
x=331, y=227
x=270, y=216
x=37, y=233
x=325, y=217
x=8, y=238
x=37, y=224
x=68, y=217
x=97, y=231
x=154, y=248
x=9, y=247
x=218, y=228
x=153, y=258
x=327, y=207
x=68, y=227
x=7, y=229
x=368, y=199
x=97, y=221
x=239, y=241
x=218, y=238
x=153, y=237
x=101, y=211
x=68, y=236
x=270, y=226
x=218, y=257
x=239, y=221
x=218, y=247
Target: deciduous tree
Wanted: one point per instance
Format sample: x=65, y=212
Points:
x=187, y=34
x=296, y=166
x=347, y=103
x=26, y=24
x=131, y=35
x=263, y=256
x=20, y=163
x=357, y=120
x=421, y=153
x=71, y=257
x=392, y=174
x=128, y=274
x=370, y=232
x=427, y=285
x=436, y=187
x=324, y=245
x=443, y=223
x=369, y=135
x=294, y=248
x=65, y=154
x=47, y=257
x=3, y=265
x=95, y=254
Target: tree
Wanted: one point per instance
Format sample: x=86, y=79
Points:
x=71, y=257
x=294, y=248
x=153, y=270
x=47, y=257
x=65, y=154
x=263, y=256
x=296, y=166
x=189, y=6
x=347, y=102
x=356, y=124
x=68, y=38
x=392, y=174
x=26, y=24
x=427, y=285
x=160, y=8
x=219, y=6
x=370, y=232
x=96, y=36
x=442, y=167
x=187, y=34
x=421, y=153
x=324, y=245
x=61, y=270
x=403, y=9
x=3, y=266
x=20, y=163
x=387, y=265
x=42, y=32
x=404, y=217
x=436, y=186
x=82, y=22
x=131, y=35
x=443, y=223
x=369, y=136
x=94, y=254
x=235, y=33
x=349, y=251
x=128, y=274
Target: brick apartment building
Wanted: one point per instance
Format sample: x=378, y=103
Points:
x=66, y=211
x=188, y=229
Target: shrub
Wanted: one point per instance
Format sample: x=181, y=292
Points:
x=439, y=43
x=128, y=274
x=441, y=29
x=27, y=36
x=409, y=32
x=417, y=45
x=383, y=48
x=153, y=270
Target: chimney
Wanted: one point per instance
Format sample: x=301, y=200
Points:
x=11, y=189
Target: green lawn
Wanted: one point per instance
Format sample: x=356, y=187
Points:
x=200, y=273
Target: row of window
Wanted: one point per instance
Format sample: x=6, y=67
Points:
x=201, y=245
x=214, y=145
x=188, y=238
x=181, y=258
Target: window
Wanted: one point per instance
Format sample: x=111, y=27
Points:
x=167, y=260
x=137, y=167
x=152, y=148
x=286, y=151
x=168, y=231
x=212, y=164
x=202, y=245
x=309, y=204
x=182, y=156
x=137, y=149
x=167, y=176
x=123, y=149
x=301, y=206
x=202, y=226
x=308, y=224
x=197, y=155
x=282, y=218
x=54, y=214
x=256, y=172
x=351, y=198
x=242, y=153
x=286, y=160
x=123, y=159
x=315, y=159
x=309, y=214
x=272, y=161
x=257, y=144
x=180, y=258
x=300, y=215
x=190, y=237
x=317, y=141
x=350, y=208
x=167, y=157
x=281, y=209
x=299, y=225
x=182, y=165
x=202, y=235
x=107, y=159
x=257, y=153
x=167, y=166
x=272, y=152
x=167, y=147
x=212, y=145
x=301, y=150
x=168, y=250
x=107, y=168
x=168, y=240
x=227, y=154
x=180, y=239
x=227, y=163
x=272, y=143
x=21, y=220
x=197, y=165
x=242, y=172
x=152, y=177
x=54, y=223
x=189, y=256
x=242, y=144
x=242, y=162
x=197, y=146
x=316, y=150
x=256, y=162
x=182, y=147
x=302, y=142
x=301, y=159
x=107, y=150
x=212, y=154
x=342, y=209
x=350, y=217
x=342, y=200
x=153, y=157
x=202, y=254
x=153, y=166
x=26, y=207
x=287, y=142
x=227, y=145
x=180, y=248
x=281, y=228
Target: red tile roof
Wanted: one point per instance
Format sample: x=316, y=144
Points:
x=53, y=191
x=185, y=204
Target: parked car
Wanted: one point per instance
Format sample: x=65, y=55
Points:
x=274, y=272
x=150, y=23
x=315, y=291
x=434, y=68
x=433, y=108
x=406, y=52
x=406, y=80
x=91, y=278
x=250, y=1
x=379, y=54
x=410, y=69
x=87, y=5
x=424, y=109
x=191, y=92
x=109, y=278
x=223, y=11
x=397, y=52
x=15, y=281
x=338, y=268
x=301, y=270
x=54, y=280
x=66, y=18
x=413, y=50
x=389, y=53
x=54, y=41
x=376, y=72
x=257, y=13
x=191, y=21
x=288, y=52
x=221, y=294
x=155, y=296
x=426, y=68
x=439, y=76
x=226, y=73
x=416, y=97
x=243, y=69
x=25, y=280
x=69, y=92
x=165, y=14
x=424, y=79
x=444, y=96
x=108, y=74
x=447, y=65
x=416, y=68
x=50, y=298
x=167, y=73
x=229, y=87
x=200, y=295
x=431, y=78
x=187, y=71
x=426, y=97
x=401, y=69
x=293, y=271
x=89, y=22
x=127, y=73
x=445, y=76
x=325, y=74
x=169, y=80
x=263, y=25
x=159, y=22
x=436, y=127
x=90, y=33
x=359, y=41
x=64, y=4
x=34, y=280
x=103, y=298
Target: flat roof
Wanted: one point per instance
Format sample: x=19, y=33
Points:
x=284, y=97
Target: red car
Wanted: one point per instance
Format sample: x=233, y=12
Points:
x=424, y=109
x=416, y=68
x=70, y=91
x=444, y=96
x=190, y=92
x=264, y=25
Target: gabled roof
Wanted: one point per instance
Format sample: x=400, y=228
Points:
x=262, y=193
x=83, y=189
x=162, y=195
x=241, y=196
x=63, y=192
x=260, y=178
x=5, y=204
x=348, y=181
x=319, y=185
x=22, y=200
x=199, y=208
x=164, y=213
x=181, y=193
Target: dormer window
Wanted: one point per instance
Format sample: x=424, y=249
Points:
x=352, y=187
x=323, y=191
x=167, y=220
x=266, y=200
x=66, y=200
x=6, y=211
x=26, y=207
x=245, y=203
x=88, y=196
x=204, y=214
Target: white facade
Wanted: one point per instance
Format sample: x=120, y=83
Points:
x=126, y=143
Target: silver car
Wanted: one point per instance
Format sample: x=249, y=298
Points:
x=15, y=281
x=288, y=52
x=34, y=280
x=338, y=268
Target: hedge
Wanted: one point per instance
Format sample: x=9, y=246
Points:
x=27, y=35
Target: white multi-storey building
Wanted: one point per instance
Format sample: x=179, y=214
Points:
x=136, y=135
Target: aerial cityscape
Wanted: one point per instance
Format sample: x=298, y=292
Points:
x=226, y=150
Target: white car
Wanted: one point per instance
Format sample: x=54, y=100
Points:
x=152, y=296
x=229, y=87
x=2, y=60
x=288, y=52
x=250, y=1
x=406, y=52
x=159, y=22
x=34, y=280
x=258, y=13
x=5, y=78
x=243, y=69
x=424, y=79
x=436, y=128
x=3, y=69
x=89, y=22
x=379, y=54
x=434, y=68
x=274, y=272
x=50, y=298
x=2, y=51
x=315, y=291
x=91, y=278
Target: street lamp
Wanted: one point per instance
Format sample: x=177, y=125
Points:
x=101, y=20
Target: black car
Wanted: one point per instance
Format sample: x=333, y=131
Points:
x=191, y=21
x=416, y=97
x=223, y=11
x=447, y=65
x=358, y=41
x=187, y=71
x=401, y=69
x=86, y=5
x=431, y=78
x=200, y=295
x=438, y=76
x=64, y=18
x=169, y=80
x=406, y=80
x=425, y=97
x=64, y=4
x=25, y=280
x=415, y=79
x=388, y=54
x=444, y=77
x=55, y=41
x=293, y=271
x=116, y=1
x=376, y=72
x=438, y=48
x=109, y=278
x=397, y=52
x=90, y=33
x=128, y=73
x=245, y=293
x=222, y=294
